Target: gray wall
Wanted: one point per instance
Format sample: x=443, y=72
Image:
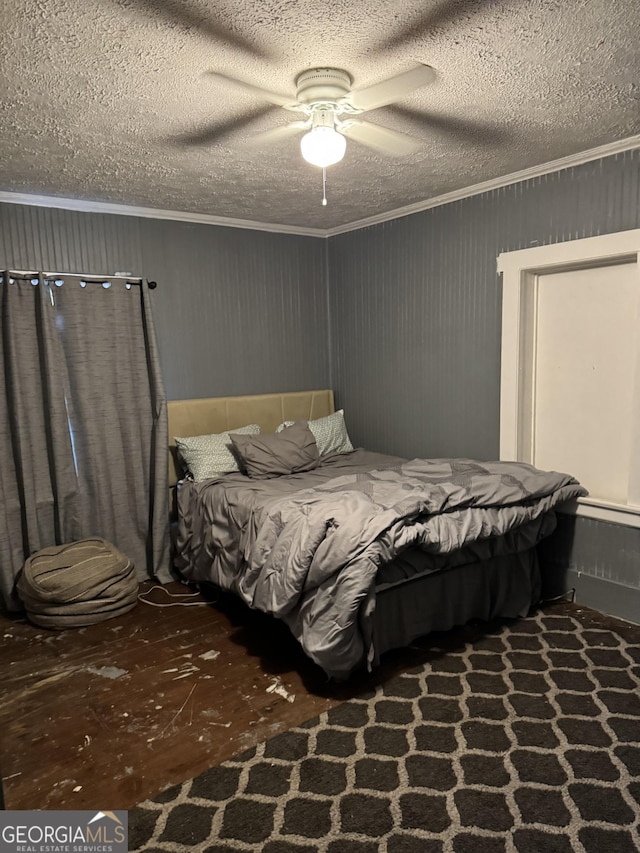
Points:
x=412, y=342
x=415, y=332
x=236, y=311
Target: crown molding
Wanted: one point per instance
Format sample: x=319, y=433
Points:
x=628, y=144
x=84, y=206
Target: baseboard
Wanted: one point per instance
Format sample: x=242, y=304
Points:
x=614, y=599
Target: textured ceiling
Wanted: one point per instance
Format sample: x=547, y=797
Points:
x=99, y=98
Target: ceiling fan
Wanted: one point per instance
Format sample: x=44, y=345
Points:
x=331, y=112
x=329, y=108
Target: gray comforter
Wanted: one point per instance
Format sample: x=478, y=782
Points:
x=306, y=548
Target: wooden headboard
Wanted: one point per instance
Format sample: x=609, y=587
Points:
x=218, y=414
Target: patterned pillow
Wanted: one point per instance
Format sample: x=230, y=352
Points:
x=329, y=432
x=206, y=456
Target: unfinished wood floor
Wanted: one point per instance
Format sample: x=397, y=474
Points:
x=105, y=716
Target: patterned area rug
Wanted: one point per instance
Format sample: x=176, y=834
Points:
x=524, y=741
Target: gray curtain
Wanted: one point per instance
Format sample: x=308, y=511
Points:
x=83, y=426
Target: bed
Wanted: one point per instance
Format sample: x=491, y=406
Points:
x=358, y=552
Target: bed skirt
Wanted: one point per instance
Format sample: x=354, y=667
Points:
x=506, y=586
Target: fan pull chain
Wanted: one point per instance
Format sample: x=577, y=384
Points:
x=324, y=186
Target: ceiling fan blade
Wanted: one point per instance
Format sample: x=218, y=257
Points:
x=276, y=134
x=392, y=89
x=210, y=134
x=183, y=15
x=383, y=139
x=272, y=97
x=439, y=17
x=479, y=133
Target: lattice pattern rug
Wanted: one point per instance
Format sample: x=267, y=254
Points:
x=524, y=741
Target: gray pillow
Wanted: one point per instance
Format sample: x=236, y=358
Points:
x=329, y=432
x=276, y=454
x=206, y=456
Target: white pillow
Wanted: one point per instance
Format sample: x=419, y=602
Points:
x=329, y=432
x=207, y=456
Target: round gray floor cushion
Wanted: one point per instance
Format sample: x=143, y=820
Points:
x=77, y=584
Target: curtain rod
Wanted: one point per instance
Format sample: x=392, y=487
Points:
x=132, y=279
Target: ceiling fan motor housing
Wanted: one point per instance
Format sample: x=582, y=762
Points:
x=317, y=85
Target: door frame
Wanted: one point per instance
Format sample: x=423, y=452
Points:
x=520, y=271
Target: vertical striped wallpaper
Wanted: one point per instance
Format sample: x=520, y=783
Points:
x=416, y=304
x=415, y=321
x=236, y=312
x=402, y=319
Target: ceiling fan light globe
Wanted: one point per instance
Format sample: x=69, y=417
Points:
x=323, y=146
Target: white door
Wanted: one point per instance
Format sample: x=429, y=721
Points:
x=586, y=342
x=570, y=369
